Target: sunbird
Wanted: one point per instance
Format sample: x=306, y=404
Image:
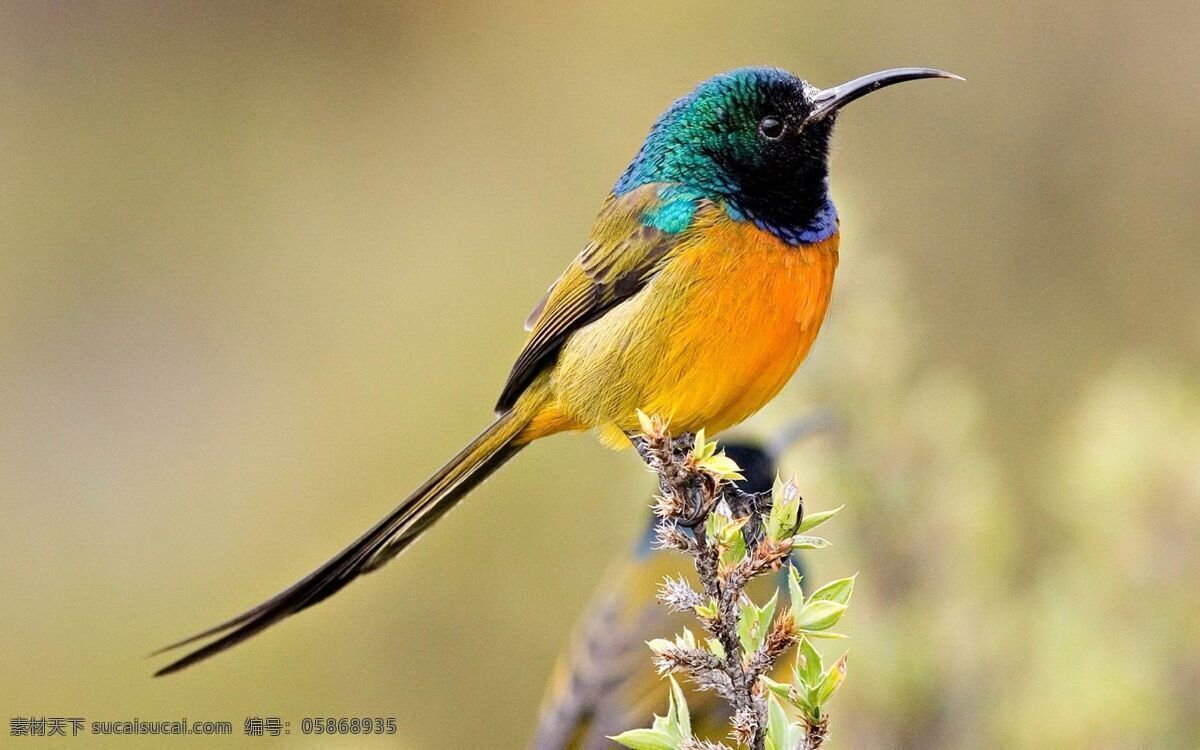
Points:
x=604, y=681
x=699, y=292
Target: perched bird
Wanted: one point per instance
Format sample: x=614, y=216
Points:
x=699, y=292
x=605, y=681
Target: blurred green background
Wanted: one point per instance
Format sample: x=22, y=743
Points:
x=264, y=267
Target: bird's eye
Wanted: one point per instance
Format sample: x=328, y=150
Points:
x=771, y=127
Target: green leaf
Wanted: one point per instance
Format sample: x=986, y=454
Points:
x=833, y=680
x=827, y=634
x=646, y=422
x=778, y=688
x=678, y=717
x=661, y=724
x=795, y=696
x=659, y=645
x=716, y=524
x=781, y=521
x=753, y=623
x=813, y=520
x=819, y=615
x=795, y=735
x=686, y=639
x=721, y=465
x=836, y=591
x=806, y=701
x=777, y=725
x=707, y=610
x=726, y=533
x=676, y=726
x=715, y=648
x=713, y=524
x=645, y=739
x=699, y=447
x=795, y=593
x=809, y=542
x=733, y=550
x=808, y=664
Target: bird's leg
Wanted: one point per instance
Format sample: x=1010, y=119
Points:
x=755, y=505
x=642, y=445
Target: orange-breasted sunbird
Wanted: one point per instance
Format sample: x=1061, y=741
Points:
x=699, y=292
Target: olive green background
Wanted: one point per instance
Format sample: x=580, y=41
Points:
x=263, y=267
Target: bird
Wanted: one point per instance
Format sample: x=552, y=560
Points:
x=604, y=680
x=699, y=291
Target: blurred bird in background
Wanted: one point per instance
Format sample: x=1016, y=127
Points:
x=700, y=291
x=604, y=681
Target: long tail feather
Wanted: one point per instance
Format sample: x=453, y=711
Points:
x=380, y=543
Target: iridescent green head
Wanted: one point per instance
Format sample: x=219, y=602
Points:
x=757, y=139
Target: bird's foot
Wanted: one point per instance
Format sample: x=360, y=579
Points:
x=753, y=505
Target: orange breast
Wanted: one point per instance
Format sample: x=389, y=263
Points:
x=710, y=340
x=755, y=308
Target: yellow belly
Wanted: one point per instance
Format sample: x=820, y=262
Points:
x=710, y=340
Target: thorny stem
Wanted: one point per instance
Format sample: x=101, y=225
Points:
x=688, y=494
x=815, y=735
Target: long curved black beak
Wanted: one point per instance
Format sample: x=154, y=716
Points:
x=827, y=101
